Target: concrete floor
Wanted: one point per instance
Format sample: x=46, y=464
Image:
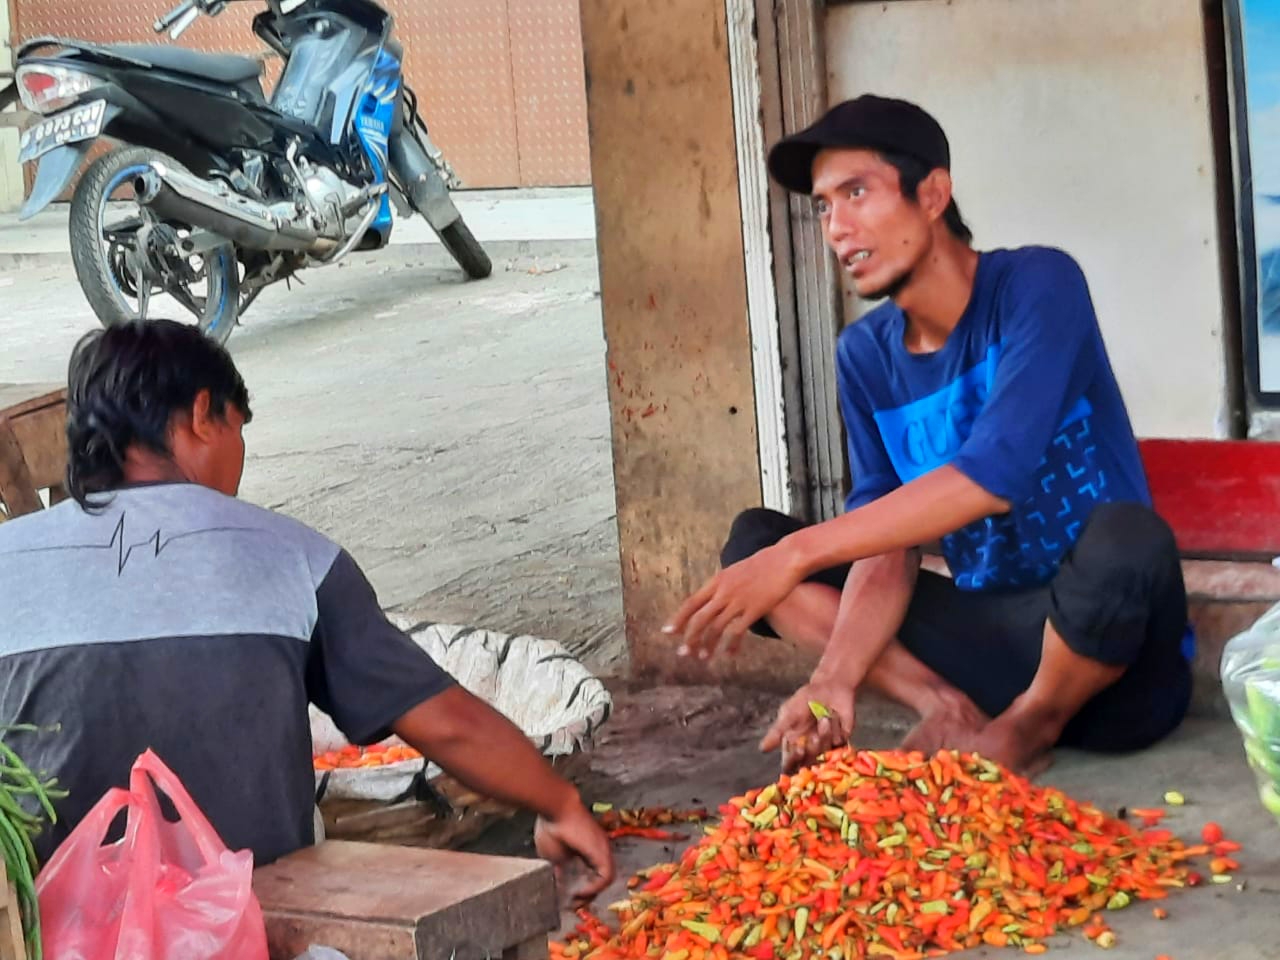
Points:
x=685, y=747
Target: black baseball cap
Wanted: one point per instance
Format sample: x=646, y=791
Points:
x=868, y=122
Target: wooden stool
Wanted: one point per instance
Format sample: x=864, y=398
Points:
x=33, y=446
x=377, y=901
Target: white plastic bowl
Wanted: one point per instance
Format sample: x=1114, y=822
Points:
x=536, y=683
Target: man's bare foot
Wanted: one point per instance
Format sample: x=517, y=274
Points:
x=1020, y=739
x=951, y=721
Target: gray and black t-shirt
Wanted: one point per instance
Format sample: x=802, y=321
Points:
x=200, y=626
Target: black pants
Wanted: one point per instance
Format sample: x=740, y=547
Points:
x=1118, y=598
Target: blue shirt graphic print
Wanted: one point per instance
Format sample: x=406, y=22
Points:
x=1021, y=399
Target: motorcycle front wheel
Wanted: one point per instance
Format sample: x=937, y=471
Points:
x=466, y=250
x=124, y=260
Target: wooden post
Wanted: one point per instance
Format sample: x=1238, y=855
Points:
x=13, y=945
x=674, y=298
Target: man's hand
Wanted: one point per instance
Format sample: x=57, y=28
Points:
x=485, y=751
x=721, y=613
x=575, y=835
x=804, y=736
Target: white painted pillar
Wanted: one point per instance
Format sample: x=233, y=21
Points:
x=762, y=303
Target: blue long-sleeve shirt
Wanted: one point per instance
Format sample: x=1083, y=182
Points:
x=1021, y=399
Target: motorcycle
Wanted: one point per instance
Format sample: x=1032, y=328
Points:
x=211, y=192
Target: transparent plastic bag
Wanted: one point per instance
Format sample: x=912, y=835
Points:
x=1251, y=679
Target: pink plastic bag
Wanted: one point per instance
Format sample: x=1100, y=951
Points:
x=166, y=891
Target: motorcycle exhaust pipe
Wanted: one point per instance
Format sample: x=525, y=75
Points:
x=211, y=206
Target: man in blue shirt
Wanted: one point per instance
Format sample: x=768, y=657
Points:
x=982, y=411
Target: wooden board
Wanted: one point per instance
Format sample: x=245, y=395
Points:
x=33, y=446
x=26, y=396
x=1222, y=497
x=382, y=902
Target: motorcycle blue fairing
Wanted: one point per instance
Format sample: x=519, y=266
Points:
x=356, y=107
x=373, y=119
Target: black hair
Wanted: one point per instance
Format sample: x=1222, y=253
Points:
x=911, y=172
x=124, y=385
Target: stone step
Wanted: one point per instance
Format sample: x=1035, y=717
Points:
x=1225, y=599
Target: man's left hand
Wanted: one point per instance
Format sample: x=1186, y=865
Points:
x=726, y=606
x=804, y=735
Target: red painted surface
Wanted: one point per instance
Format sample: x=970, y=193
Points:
x=1222, y=497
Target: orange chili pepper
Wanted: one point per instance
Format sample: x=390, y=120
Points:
x=352, y=757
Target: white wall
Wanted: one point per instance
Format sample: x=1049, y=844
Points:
x=1081, y=124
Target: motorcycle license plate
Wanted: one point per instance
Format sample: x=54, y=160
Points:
x=83, y=122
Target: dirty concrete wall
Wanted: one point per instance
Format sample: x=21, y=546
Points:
x=1082, y=124
x=673, y=287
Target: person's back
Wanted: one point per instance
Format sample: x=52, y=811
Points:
x=156, y=611
x=175, y=618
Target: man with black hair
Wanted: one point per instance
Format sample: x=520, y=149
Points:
x=155, y=610
x=980, y=408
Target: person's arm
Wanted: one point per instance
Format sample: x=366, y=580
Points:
x=373, y=680
x=873, y=606
x=940, y=502
x=869, y=464
x=485, y=751
x=918, y=513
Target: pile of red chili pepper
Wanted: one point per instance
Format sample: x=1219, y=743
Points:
x=647, y=823
x=888, y=854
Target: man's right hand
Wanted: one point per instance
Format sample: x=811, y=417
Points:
x=485, y=751
x=804, y=736
x=575, y=834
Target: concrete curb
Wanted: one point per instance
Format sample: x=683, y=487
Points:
x=498, y=251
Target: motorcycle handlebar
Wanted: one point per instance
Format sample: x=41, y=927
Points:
x=173, y=16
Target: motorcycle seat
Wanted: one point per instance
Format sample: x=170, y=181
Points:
x=220, y=67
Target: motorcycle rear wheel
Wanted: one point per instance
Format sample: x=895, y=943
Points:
x=104, y=258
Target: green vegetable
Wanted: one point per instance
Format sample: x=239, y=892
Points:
x=707, y=931
x=819, y=711
x=1262, y=698
x=1119, y=900
x=802, y=920
x=18, y=826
